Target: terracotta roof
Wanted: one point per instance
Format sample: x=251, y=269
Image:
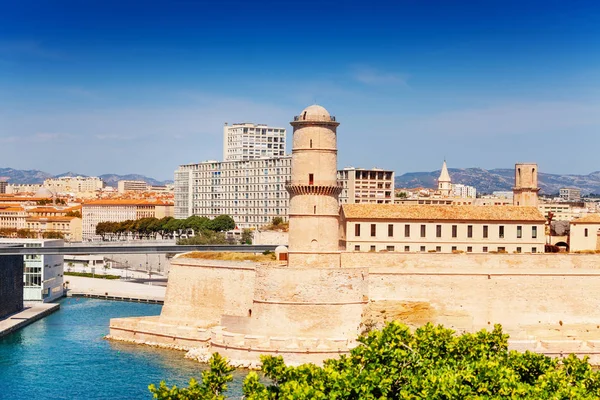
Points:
x=50, y=219
x=125, y=202
x=588, y=219
x=442, y=212
x=13, y=208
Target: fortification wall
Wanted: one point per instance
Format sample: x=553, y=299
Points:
x=201, y=291
x=541, y=297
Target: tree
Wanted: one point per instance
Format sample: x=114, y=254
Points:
x=221, y=223
x=246, y=236
x=430, y=363
x=277, y=221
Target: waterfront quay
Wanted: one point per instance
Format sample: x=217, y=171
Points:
x=31, y=312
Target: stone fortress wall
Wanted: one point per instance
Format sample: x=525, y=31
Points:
x=546, y=302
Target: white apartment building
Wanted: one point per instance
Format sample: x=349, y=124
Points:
x=366, y=186
x=464, y=191
x=132, y=186
x=252, y=192
x=73, y=184
x=15, y=188
x=42, y=274
x=569, y=194
x=246, y=141
x=94, y=212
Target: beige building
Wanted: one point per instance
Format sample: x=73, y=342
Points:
x=68, y=227
x=442, y=229
x=132, y=186
x=252, y=192
x=366, y=186
x=525, y=191
x=94, y=212
x=248, y=141
x=585, y=233
x=12, y=216
x=74, y=184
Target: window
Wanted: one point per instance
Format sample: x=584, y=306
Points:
x=357, y=247
x=485, y=249
x=372, y=248
x=534, y=249
x=311, y=179
x=518, y=249
x=438, y=231
x=454, y=231
x=373, y=230
x=519, y=231
x=534, y=232
x=585, y=232
x=470, y=231
x=501, y=249
x=454, y=248
x=422, y=248
x=485, y=231
x=357, y=230
x=391, y=230
x=438, y=249
x=469, y=249
x=501, y=232
x=407, y=230
x=389, y=248
x=423, y=231
x=407, y=248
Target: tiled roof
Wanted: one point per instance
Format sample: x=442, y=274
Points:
x=50, y=219
x=588, y=219
x=126, y=202
x=12, y=208
x=442, y=212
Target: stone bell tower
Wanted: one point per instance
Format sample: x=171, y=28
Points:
x=525, y=191
x=314, y=190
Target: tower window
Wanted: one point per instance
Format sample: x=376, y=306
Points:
x=314, y=209
x=311, y=179
x=311, y=143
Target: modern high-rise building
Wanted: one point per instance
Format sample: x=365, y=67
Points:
x=464, y=191
x=366, y=186
x=252, y=192
x=248, y=141
x=132, y=186
x=3, y=186
x=570, y=194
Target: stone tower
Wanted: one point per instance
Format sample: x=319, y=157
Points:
x=525, y=192
x=314, y=190
x=444, y=182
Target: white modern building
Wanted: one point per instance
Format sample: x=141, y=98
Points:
x=252, y=192
x=246, y=141
x=366, y=186
x=132, y=186
x=464, y=191
x=42, y=274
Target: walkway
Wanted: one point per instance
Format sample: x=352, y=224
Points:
x=31, y=313
x=115, y=289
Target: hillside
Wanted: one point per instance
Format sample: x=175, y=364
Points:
x=34, y=176
x=487, y=181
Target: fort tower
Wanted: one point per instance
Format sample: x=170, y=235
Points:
x=525, y=192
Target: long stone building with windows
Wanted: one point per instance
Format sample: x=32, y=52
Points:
x=442, y=229
x=252, y=192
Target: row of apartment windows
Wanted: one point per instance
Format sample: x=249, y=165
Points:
x=438, y=249
x=438, y=231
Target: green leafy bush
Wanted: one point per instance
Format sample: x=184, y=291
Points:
x=90, y=275
x=395, y=363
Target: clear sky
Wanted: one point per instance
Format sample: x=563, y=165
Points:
x=140, y=86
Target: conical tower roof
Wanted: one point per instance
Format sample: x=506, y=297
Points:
x=444, y=175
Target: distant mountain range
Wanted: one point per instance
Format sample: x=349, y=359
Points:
x=34, y=176
x=488, y=181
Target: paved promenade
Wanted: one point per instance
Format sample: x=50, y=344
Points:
x=31, y=313
x=114, y=288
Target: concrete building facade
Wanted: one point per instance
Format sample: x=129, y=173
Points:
x=366, y=186
x=124, y=186
x=248, y=141
x=442, y=229
x=570, y=194
x=94, y=212
x=74, y=184
x=252, y=192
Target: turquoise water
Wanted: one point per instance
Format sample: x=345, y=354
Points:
x=64, y=356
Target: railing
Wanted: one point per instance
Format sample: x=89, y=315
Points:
x=314, y=183
x=315, y=118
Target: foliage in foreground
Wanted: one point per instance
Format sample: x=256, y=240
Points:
x=431, y=363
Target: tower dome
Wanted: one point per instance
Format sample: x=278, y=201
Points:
x=314, y=113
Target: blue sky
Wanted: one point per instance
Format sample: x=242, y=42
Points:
x=141, y=87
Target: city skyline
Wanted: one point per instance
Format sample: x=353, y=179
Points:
x=97, y=88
